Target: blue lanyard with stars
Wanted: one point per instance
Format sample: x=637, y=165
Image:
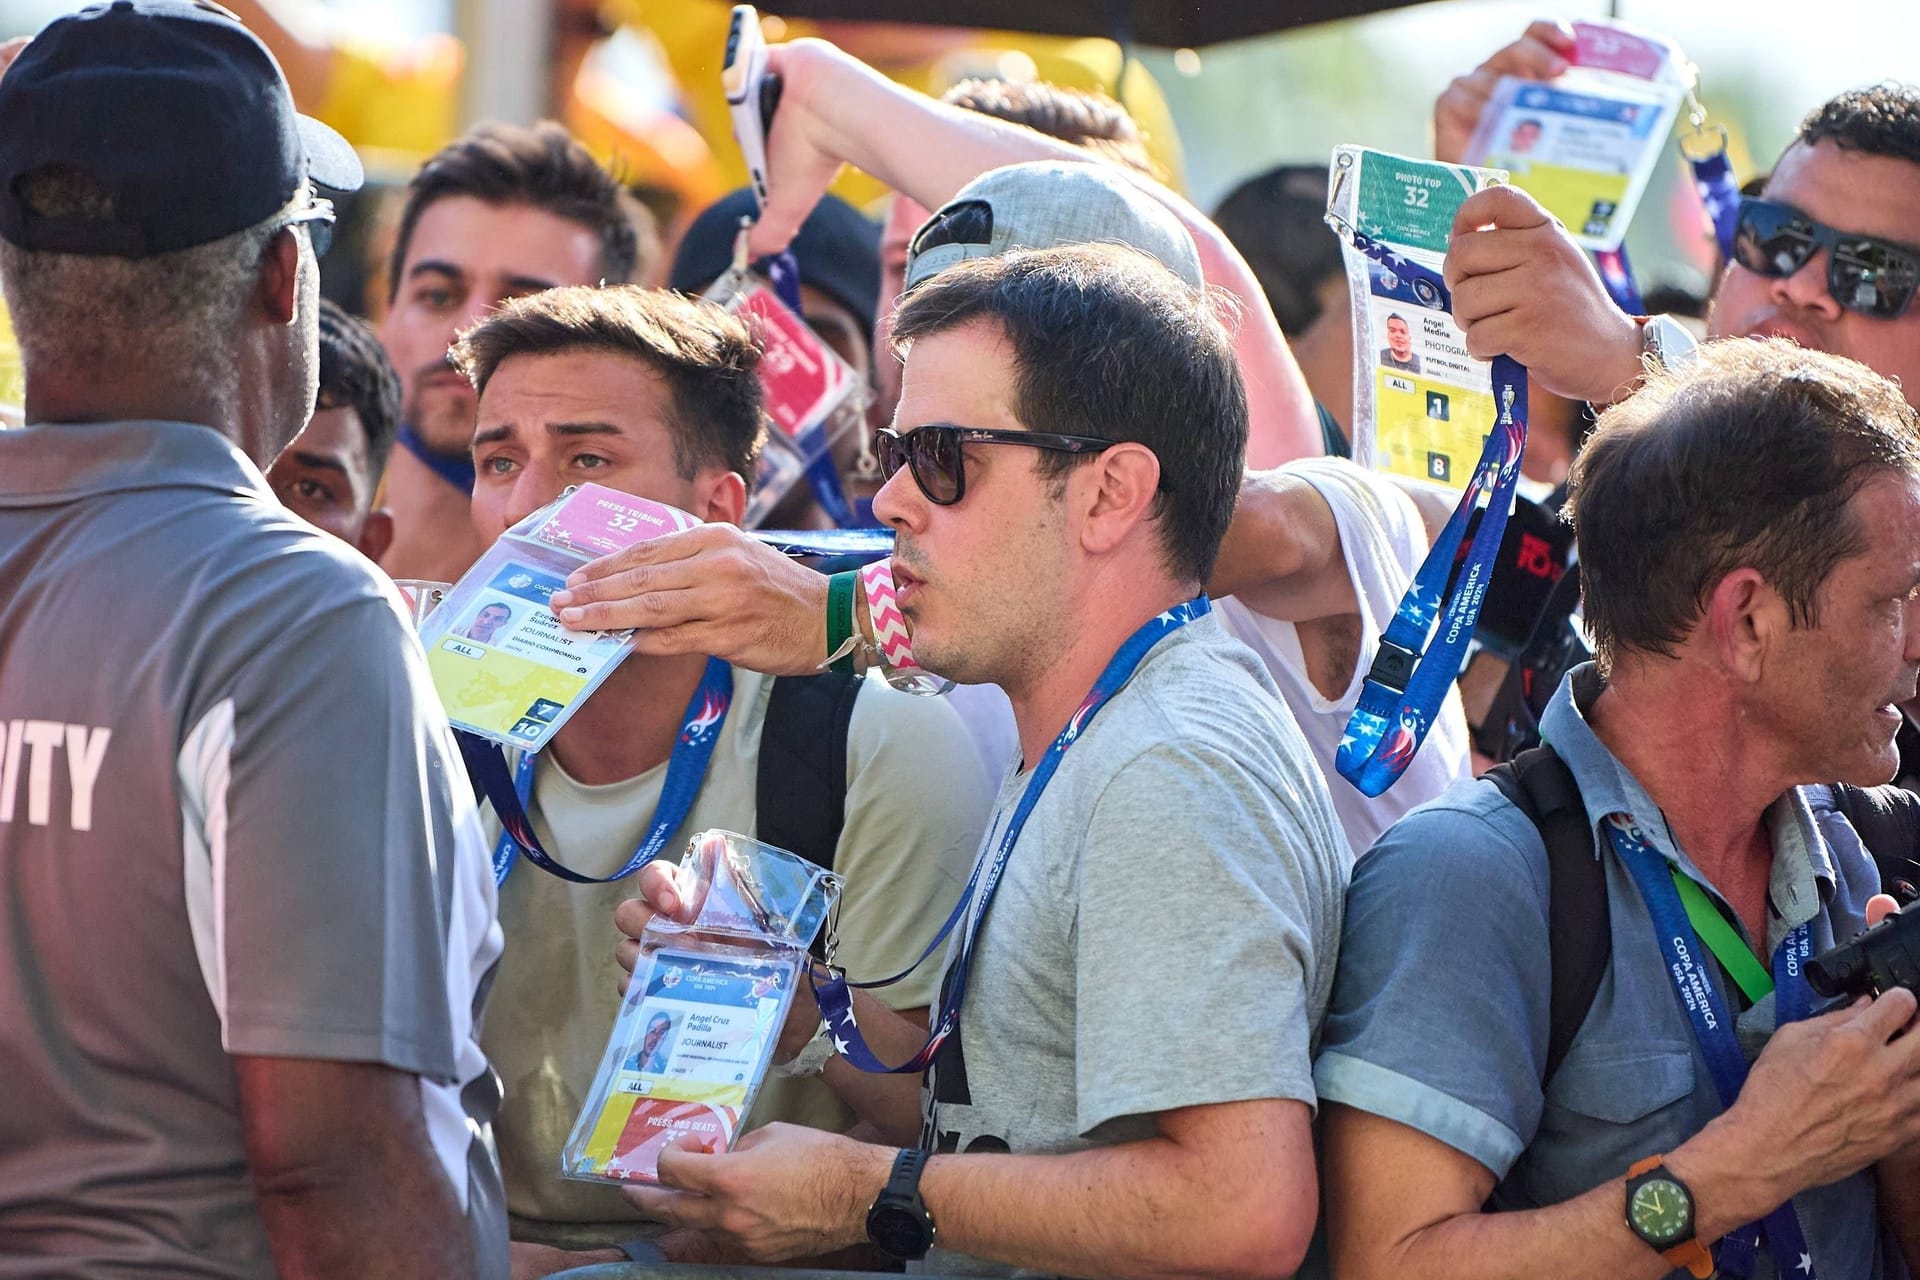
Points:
x=1409, y=680
x=1713, y=1028
x=836, y=1001
x=686, y=769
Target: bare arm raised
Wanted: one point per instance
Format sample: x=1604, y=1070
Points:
x=929, y=150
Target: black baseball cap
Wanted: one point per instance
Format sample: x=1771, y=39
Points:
x=176, y=110
x=837, y=248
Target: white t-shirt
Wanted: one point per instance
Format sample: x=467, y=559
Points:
x=1383, y=541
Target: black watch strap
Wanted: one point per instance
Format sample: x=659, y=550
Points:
x=898, y=1223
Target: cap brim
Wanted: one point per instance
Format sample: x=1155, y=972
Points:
x=331, y=162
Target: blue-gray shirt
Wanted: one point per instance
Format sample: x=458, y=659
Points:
x=1440, y=1004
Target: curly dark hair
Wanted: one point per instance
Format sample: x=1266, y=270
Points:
x=356, y=374
x=1881, y=121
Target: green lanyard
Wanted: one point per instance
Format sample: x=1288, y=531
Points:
x=1723, y=940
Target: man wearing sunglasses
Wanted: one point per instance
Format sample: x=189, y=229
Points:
x=1828, y=254
x=1127, y=1023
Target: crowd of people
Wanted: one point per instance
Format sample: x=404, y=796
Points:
x=280, y=996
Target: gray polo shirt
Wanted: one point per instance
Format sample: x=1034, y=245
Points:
x=232, y=822
x=1440, y=1006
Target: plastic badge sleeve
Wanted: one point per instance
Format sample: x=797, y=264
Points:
x=696, y=1031
x=1586, y=143
x=1421, y=403
x=812, y=395
x=504, y=666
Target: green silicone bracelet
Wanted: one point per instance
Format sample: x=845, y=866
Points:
x=840, y=588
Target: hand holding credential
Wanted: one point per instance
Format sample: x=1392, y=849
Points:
x=712, y=590
x=1523, y=288
x=783, y=1192
x=1544, y=51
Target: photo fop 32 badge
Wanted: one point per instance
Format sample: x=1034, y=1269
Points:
x=1421, y=405
x=504, y=665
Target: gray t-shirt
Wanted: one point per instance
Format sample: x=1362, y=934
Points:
x=1165, y=930
x=232, y=822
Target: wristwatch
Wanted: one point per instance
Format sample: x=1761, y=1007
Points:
x=813, y=1055
x=1660, y=1212
x=899, y=1224
x=1672, y=346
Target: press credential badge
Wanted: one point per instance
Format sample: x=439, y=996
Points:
x=1422, y=405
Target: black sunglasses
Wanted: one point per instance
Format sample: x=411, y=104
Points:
x=318, y=218
x=936, y=453
x=1865, y=274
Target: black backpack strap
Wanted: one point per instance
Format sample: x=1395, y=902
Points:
x=1579, y=926
x=1888, y=822
x=801, y=788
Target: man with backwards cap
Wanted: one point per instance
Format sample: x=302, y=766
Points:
x=245, y=914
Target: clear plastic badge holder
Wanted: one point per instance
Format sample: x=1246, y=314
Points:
x=504, y=666
x=1421, y=404
x=1586, y=143
x=813, y=396
x=696, y=1032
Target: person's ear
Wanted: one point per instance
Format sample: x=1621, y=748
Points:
x=376, y=535
x=1117, y=489
x=722, y=497
x=277, y=290
x=1745, y=619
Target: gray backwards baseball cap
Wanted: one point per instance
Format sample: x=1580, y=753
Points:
x=1044, y=204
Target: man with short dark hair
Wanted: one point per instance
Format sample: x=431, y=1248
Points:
x=1063, y=465
x=330, y=474
x=245, y=917
x=1749, y=544
x=658, y=395
x=504, y=211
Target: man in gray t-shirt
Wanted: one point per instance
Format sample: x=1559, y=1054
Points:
x=245, y=912
x=1127, y=1088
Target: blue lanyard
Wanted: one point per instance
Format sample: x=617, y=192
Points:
x=836, y=1001
x=455, y=469
x=861, y=544
x=1713, y=179
x=1713, y=1027
x=783, y=270
x=1408, y=680
x=686, y=769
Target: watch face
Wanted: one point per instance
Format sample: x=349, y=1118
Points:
x=1660, y=1211
x=899, y=1231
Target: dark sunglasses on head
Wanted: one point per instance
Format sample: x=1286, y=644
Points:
x=935, y=453
x=318, y=218
x=1865, y=274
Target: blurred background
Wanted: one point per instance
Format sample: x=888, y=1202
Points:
x=638, y=79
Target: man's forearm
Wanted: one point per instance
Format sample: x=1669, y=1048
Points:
x=382, y=1214
x=888, y=1105
x=1585, y=1238
x=1147, y=1209
x=345, y=1172
x=1282, y=555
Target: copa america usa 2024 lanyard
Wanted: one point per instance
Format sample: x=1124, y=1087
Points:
x=1420, y=654
x=686, y=768
x=833, y=994
x=1713, y=1026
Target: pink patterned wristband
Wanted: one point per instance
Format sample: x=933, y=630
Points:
x=889, y=624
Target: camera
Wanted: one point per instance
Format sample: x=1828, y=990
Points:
x=1884, y=957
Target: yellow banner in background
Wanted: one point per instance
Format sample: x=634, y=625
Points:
x=13, y=387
